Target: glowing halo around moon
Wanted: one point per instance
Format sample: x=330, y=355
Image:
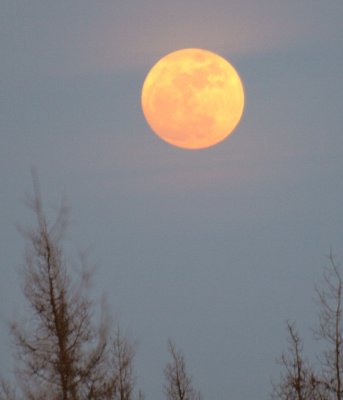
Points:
x=193, y=98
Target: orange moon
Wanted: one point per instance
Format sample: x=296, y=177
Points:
x=193, y=98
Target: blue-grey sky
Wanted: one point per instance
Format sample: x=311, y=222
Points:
x=213, y=248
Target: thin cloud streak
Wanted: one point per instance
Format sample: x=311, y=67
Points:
x=84, y=38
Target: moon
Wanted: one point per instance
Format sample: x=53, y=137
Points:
x=192, y=98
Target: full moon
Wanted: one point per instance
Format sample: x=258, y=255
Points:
x=193, y=98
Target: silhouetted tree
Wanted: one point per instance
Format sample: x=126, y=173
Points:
x=299, y=381
x=61, y=353
x=178, y=384
x=122, y=367
x=329, y=328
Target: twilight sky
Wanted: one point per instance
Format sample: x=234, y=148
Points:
x=215, y=248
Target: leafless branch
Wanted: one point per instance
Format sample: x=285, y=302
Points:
x=178, y=384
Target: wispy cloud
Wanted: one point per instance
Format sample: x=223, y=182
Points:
x=109, y=36
x=132, y=35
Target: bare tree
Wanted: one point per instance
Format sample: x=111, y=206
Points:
x=122, y=353
x=329, y=329
x=61, y=353
x=298, y=381
x=178, y=384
